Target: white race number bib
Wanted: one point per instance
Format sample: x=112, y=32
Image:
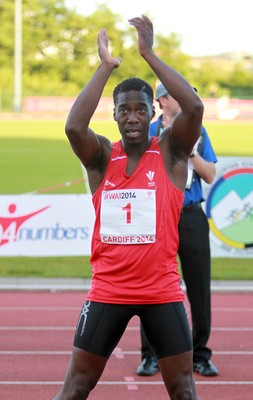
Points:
x=128, y=216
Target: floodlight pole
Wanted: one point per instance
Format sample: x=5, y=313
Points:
x=17, y=103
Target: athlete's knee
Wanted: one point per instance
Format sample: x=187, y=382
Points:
x=184, y=392
x=76, y=393
x=79, y=393
x=75, y=390
x=183, y=388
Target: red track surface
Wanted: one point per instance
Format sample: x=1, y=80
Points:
x=36, y=332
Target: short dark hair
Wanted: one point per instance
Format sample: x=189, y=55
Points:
x=133, y=84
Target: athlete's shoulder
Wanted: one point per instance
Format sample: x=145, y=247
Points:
x=154, y=141
x=117, y=145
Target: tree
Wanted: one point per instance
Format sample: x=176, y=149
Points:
x=60, y=53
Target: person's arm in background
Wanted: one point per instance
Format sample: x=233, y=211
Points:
x=205, y=169
x=204, y=163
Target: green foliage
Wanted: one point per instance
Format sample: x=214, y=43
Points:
x=60, y=53
x=241, y=81
x=168, y=49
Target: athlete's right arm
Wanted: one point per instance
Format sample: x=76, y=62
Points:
x=89, y=147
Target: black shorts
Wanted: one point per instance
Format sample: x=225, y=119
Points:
x=100, y=327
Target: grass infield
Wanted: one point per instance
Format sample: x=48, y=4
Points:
x=79, y=267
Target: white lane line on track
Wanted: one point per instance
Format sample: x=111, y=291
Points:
x=130, y=328
x=117, y=354
x=131, y=384
x=37, y=328
x=39, y=308
x=143, y=383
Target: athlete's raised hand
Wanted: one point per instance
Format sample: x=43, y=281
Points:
x=103, y=51
x=144, y=28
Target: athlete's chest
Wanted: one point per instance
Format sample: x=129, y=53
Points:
x=145, y=173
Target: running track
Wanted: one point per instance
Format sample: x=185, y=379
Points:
x=36, y=332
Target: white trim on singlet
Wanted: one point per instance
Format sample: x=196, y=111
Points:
x=118, y=158
x=153, y=151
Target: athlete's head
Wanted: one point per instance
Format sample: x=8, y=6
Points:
x=133, y=84
x=133, y=100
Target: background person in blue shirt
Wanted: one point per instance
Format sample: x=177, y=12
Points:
x=194, y=245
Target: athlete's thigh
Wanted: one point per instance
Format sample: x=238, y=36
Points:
x=167, y=329
x=100, y=327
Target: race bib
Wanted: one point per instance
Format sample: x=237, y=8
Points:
x=128, y=216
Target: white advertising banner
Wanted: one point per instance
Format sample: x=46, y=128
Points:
x=45, y=225
x=229, y=208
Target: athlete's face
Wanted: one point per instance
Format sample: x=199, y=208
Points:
x=133, y=113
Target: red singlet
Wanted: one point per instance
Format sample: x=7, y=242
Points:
x=135, y=238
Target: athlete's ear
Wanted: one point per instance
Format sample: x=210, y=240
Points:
x=114, y=116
